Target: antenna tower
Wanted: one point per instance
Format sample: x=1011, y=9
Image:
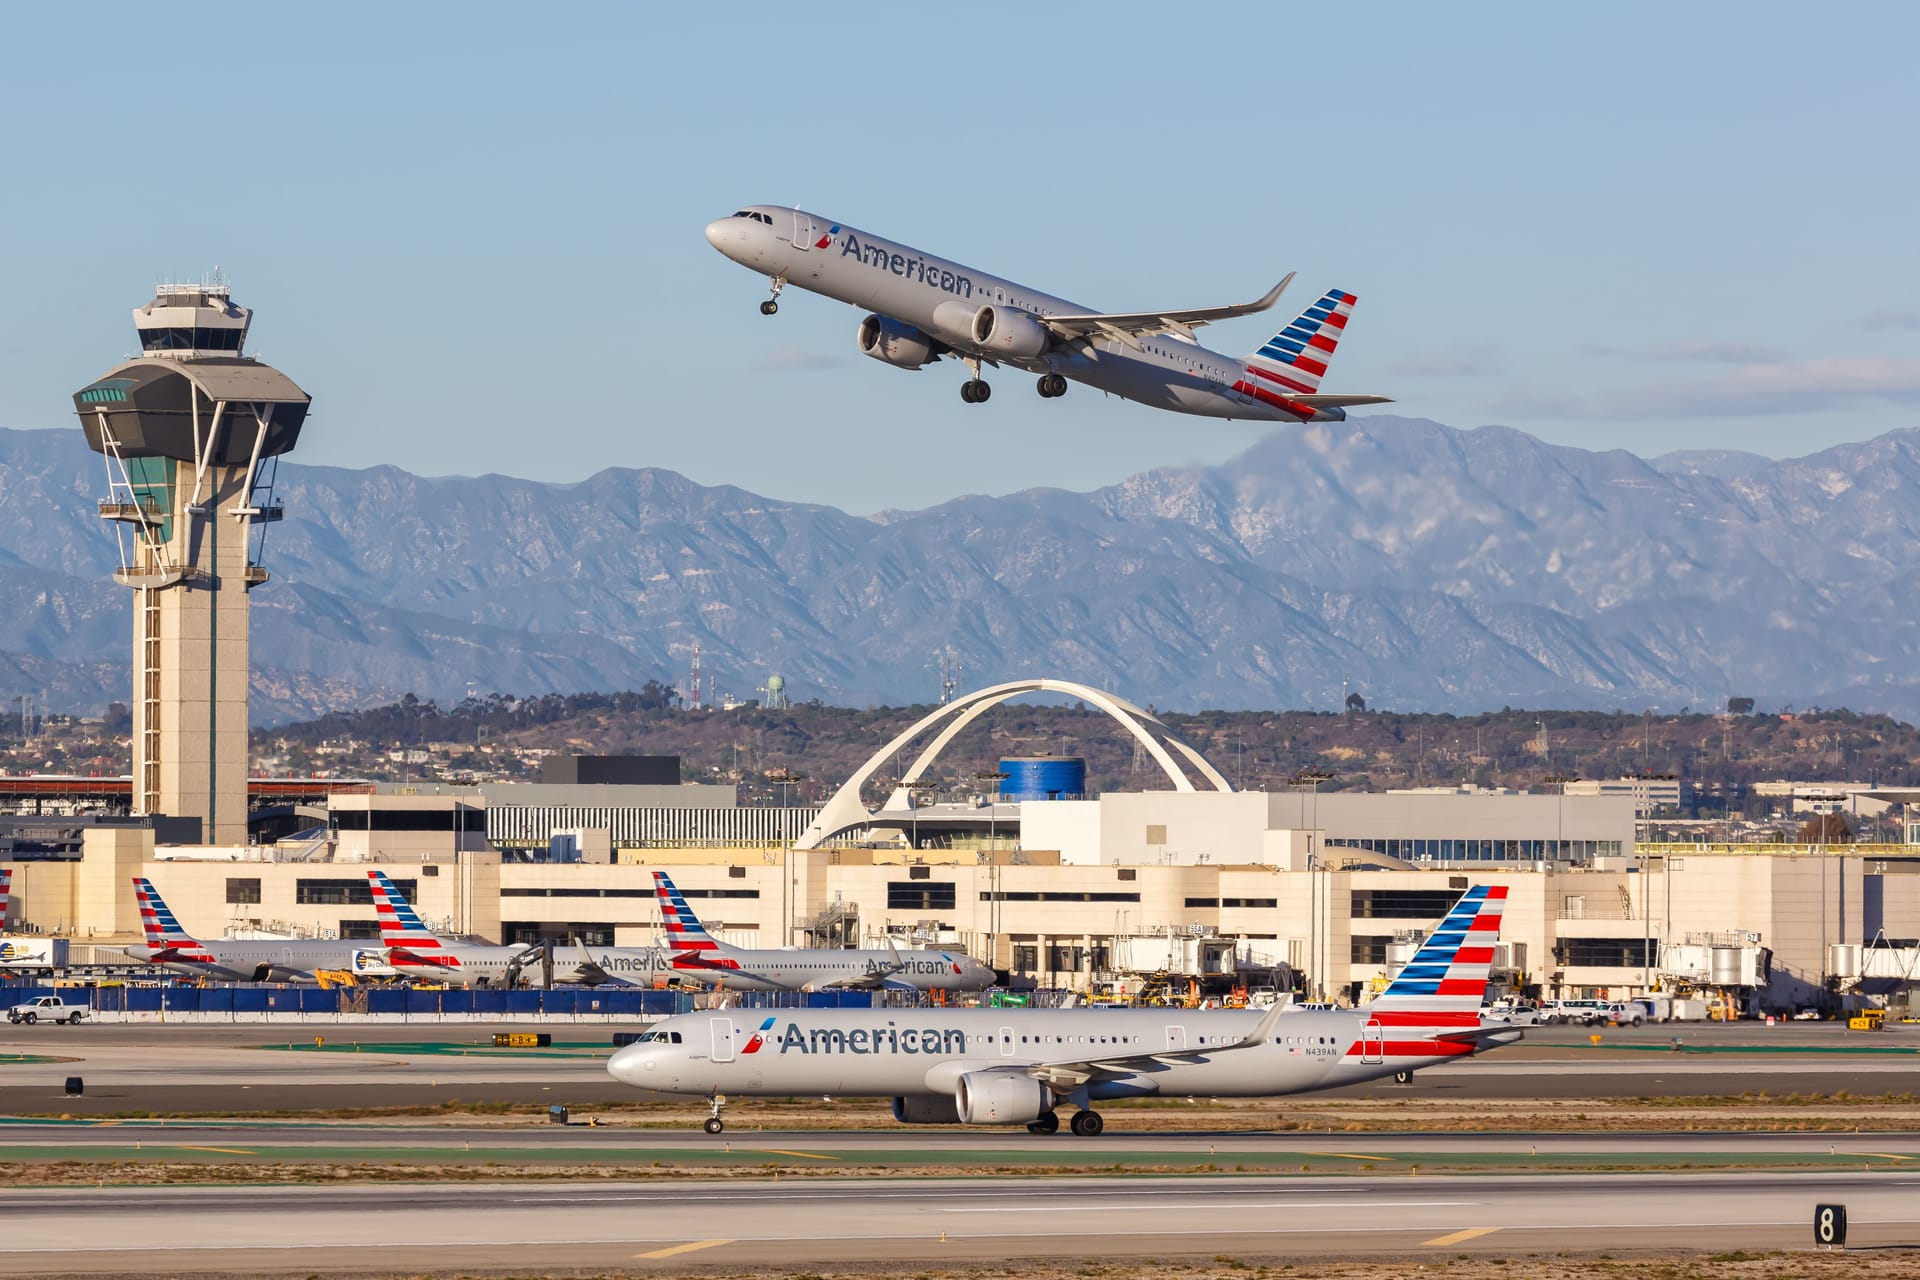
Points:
x=694, y=681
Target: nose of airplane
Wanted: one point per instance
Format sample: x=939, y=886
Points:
x=624, y=1065
x=717, y=233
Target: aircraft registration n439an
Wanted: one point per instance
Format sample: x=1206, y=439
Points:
x=925, y=307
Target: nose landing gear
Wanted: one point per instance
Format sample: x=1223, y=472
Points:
x=767, y=308
x=714, y=1123
x=1052, y=386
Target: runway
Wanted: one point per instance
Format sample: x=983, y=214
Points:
x=797, y=1224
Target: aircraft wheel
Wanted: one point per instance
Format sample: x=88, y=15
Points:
x=1052, y=386
x=1403, y=1077
x=1087, y=1124
x=1048, y=1123
x=975, y=391
x=769, y=307
x=966, y=392
x=714, y=1124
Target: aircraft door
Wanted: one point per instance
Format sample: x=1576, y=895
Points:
x=1176, y=1038
x=1373, y=1042
x=1006, y=1042
x=722, y=1038
x=803, y=231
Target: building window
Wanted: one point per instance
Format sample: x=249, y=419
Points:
x=360, y=930
x=344, y=893
x=1369, y=948
x=1131, y=873
x=919, y=873
x=1402, y=904
x=1203, y=902
x=737, y=873
x=905, y=895
x=1023, y=895
x=1026, y=957
x=524, y=933
x=1249, y=902
x=1601, y=953
x=243, y=889
x=1156, y=833
x=1064, y=959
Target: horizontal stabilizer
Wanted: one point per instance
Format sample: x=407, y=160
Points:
x=1317, y=401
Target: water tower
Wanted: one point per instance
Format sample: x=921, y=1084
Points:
x=189, y=430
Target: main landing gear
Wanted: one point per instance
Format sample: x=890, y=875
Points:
x=767, y=308
x=1086, y=1124
x=974, y=391
x=714, y=1123
x=1048, y=1123
x=1052, y=386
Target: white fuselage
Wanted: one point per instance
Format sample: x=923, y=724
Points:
x=923, y=1052
x=940, y=298
x=271, y=960
x=728, y=968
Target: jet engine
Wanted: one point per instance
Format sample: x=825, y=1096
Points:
x=1009, y=332
x=1001, y=1097
x=900, y=345
x=925, y=1108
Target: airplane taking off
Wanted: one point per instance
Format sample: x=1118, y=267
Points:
x=926, y=307
x=699, y=954
x=1006, y=1066
x=244, y=960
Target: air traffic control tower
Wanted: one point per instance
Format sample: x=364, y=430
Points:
x=189, y=430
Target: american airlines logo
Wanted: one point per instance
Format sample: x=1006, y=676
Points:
x=907, y=266
x=913, y=964
x=891, y=1038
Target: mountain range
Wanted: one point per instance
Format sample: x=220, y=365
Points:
x=1425, y=567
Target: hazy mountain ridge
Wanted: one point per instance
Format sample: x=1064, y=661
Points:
x=1434, y=568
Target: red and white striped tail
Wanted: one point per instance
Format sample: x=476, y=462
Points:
x=1447, y=977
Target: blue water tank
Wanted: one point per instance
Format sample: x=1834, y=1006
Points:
x=1043, y=778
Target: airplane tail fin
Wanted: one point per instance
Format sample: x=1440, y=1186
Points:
x=6, y=891
x=1446, y=980
x=400, y=924
x=684, y=930
x=164, y=934
x=1295, y=359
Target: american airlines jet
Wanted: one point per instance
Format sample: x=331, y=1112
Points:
x=1014, y=1066
x=244, y=960
x=925, y=307
x=700, y=955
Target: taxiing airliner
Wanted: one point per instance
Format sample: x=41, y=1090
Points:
x=1013, y=1066
x=925, y=307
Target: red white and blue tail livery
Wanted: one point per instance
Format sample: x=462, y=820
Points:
x=411, y=945
x=166, y=940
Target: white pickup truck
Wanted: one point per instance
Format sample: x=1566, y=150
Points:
x=47, y=1008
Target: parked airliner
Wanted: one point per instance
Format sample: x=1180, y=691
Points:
x=1013, y=1066
x=700, y=955
x=926, y=307
x=244, y=959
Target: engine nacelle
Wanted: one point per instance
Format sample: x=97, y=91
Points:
x=1001, y=1097
x=900, y=345
x=926, y=1108
x=1009, y=332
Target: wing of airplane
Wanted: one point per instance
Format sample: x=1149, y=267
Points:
x=1066, y=1076
x=1130, y=326
x=1337, y=401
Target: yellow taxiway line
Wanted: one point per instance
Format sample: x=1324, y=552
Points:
x=1460, y=1236
x=682, y=1248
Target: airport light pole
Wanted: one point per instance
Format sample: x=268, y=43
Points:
x=1316, y=935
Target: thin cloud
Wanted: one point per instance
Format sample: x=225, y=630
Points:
x=789, y=359
x=1886, y=318
x=1834, y=382
x=1708, y=350
x=1467, y=361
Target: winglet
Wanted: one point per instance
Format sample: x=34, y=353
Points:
x=1263, y=1030
x=1273, y=294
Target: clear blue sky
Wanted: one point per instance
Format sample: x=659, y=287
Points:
x=473, y=232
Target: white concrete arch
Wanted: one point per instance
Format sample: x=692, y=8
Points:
x=845, y=811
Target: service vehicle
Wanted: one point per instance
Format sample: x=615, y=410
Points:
x=1584, y=1012
x=47, y=1009
x=1630, y=1013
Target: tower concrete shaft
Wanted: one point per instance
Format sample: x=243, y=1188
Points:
x=184, y=430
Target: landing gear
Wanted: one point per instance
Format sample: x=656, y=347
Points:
x=1048, y=1123
x=1087, y=1124
x=772, y=305
x=714, y=1123
x=1403, y=1077
x=975, y=391
x=769, y=307
x=1052, y=386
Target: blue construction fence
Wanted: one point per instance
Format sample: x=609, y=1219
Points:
x=565, y=1002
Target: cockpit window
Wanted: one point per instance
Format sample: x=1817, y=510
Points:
x=742, y=213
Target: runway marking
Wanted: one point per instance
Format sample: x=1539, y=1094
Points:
x=1460, y=1236
x=229, y=1151
x=1344, y=1155
x=1131, y=1207
x=682, y=1248
x=1884, y=1155
x=804, y=1155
